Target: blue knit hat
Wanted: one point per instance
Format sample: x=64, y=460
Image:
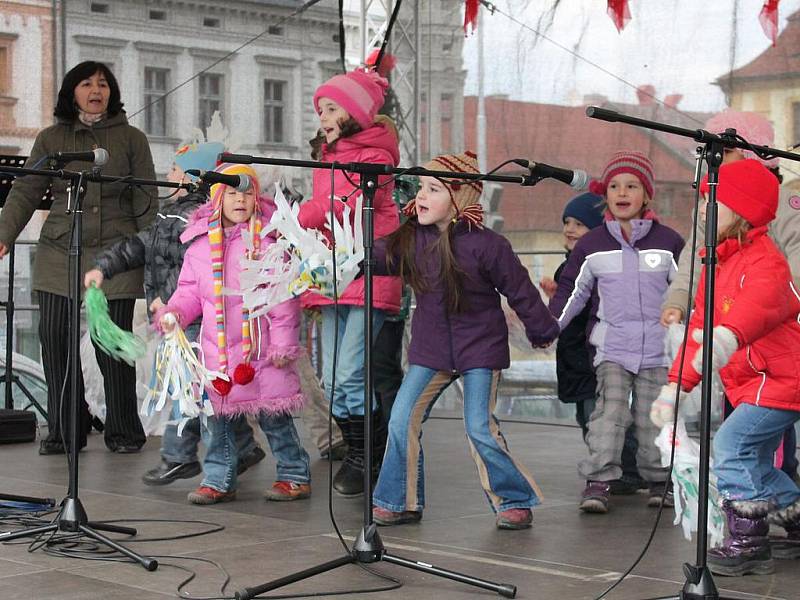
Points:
x=586, y=208
x=198, y=155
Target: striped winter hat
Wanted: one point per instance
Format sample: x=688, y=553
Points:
x=244, y=371
x=626, y=161
x=464, y=193
x=359, y=92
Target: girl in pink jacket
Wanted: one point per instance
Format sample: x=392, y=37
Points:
x=347, y=106
x=254, y=357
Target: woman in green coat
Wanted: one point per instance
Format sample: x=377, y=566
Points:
x=89, y=115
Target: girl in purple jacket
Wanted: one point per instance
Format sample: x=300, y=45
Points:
x=253, y=359
x=458, y=271
x=623, y=269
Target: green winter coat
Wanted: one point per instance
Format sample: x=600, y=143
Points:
x=111, y=212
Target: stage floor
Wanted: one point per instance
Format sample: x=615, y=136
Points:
x=567, y=555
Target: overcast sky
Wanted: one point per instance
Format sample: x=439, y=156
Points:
x=679, y=46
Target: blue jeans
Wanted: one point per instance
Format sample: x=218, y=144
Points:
x=743, y=455
x=505, y=482
x=222, y=456
x=183, y=449
x=348, y=394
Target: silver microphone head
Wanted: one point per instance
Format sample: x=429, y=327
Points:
x=100, y=157
x=580, y=180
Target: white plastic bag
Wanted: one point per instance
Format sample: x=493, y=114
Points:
x=685, y=481
x=92, y=379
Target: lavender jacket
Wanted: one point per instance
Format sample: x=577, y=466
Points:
x=632, y=278
x=477, y=337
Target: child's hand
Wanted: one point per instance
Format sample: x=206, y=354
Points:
x=167, y=322
x=549, y=286
x=156, y=304
x=280, y=362
x=670, y=316
x=725, y=344
x=662, y=411
x=93, y=277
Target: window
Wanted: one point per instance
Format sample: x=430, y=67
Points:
x=275, y=30
x=5, y=71
x=99, y=7
x=274, y=110
x=158, y=15
x=446, y=108
x=424, y=146
x=210, y=22
x=155, y=112
x=210, y=98
x=795, y=123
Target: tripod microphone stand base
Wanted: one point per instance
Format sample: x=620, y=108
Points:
x=72, y=519
x=368, y=548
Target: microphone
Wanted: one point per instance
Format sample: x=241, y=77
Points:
x=241, y=183
x=576, y=179
x=98, y=156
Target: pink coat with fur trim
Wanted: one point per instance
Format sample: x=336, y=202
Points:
x=272, y=390
x=378, y=144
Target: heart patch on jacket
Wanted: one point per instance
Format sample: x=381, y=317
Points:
x=652, y=260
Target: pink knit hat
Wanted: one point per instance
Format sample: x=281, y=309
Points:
x=626, y=161
x=359, y=92
x=753, y=127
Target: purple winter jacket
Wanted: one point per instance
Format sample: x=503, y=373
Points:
x=478, y=337
x=631, y=278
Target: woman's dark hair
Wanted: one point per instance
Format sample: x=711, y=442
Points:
x=66, y=108
x=401, y=246
x=346, y=129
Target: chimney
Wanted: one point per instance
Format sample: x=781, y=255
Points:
x=646, y=94
x=672, y=100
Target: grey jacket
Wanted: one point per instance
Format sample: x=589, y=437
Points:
x=784, y=231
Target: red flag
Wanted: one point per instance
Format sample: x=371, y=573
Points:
x=768, y=17
x=619, y=12
x=471, y=14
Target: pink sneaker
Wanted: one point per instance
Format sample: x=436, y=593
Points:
x=515, y=518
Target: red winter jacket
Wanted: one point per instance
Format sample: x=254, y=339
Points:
x=378, y=144
x=754, y=298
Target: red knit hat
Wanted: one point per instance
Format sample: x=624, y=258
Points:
x=749, y=189
x=626, y=161
x=359, y=92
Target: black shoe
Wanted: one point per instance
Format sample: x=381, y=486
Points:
x=47, y=447
x=336, y=454
x=167, y=472
x=126, y=449
x=253, y=458
x=625, y=486
x=349, y=481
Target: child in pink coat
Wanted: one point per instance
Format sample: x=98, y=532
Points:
x=352, y=131
x=253, y=358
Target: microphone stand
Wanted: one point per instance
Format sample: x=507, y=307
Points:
x=699, y=583
x=368, y=547
x=72, y=517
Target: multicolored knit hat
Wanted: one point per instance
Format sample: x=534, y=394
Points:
x=626, y=161
x=753, y=127
x=244, y=372
x=465, y=194
x=359, y=92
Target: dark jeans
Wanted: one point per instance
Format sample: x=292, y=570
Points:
x=387, y=354
x=122, y=427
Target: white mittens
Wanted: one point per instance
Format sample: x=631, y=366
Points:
x=662, y=411
x=725, y=344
